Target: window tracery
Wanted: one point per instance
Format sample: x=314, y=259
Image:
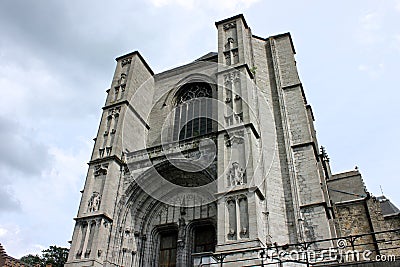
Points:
x=194, y=90
x=193, y=113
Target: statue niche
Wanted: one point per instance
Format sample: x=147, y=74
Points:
x=94, y=202
x=235, y=175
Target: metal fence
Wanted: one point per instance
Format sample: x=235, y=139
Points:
x=363, y=249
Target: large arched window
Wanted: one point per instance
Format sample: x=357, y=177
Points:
x=193, y=113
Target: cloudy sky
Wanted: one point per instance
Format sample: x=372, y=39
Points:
x=57, y=60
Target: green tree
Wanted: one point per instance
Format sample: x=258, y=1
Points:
x=56, y=256
x=32, y=260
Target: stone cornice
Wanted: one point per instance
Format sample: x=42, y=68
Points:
x=314, y=204
x=113, y=105
x=106, y=159
x=168, y=148
x=239, y=127
x=240, y=190
x=350, y=202
x=294, y=86
x=259, y=37
x=144, y=153
x=305, y=144
x=237, y=67
x=94, y=216
x=131, y=108
x=239, y=16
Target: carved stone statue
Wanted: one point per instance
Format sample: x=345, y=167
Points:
x=228, y=58
x=94, y=202
x=122, y=80
x=235, y=175
x=181, y=233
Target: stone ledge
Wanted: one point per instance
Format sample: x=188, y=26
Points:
x=245, y=246
x=233, y=67
x=344, y=175
x=305, y=144
x=131, y=108
x=107, y=158
x=294, y=86
x=238, y=16
x=92, y=216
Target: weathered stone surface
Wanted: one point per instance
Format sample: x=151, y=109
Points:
x=250, y=177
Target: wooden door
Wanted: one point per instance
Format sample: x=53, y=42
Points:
x=168, y=249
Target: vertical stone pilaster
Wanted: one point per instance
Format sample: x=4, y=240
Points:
x=306, y=178
x=125, y=109
x=236, y=155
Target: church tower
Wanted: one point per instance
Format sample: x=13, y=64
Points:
x=214, y=160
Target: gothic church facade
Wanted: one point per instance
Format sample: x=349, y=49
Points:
x=214, y=159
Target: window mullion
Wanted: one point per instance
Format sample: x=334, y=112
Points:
x=194, y=115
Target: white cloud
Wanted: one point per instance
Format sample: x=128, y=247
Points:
x=8, y=201
x=397, y=5
x=373, y=71
x=183, y=3
x=18, y=242
x=25, y=154
x=371, y=21
x=190, y=4
x=370, y=28
x=3, y=231
x=48, y=204
x=58, y=183
x=396, y=41
x=12, y=240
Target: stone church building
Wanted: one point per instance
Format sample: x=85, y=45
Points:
x=214, y=163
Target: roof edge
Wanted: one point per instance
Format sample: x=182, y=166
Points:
x=286, y=34
x=136, y=53
x=238, y=16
